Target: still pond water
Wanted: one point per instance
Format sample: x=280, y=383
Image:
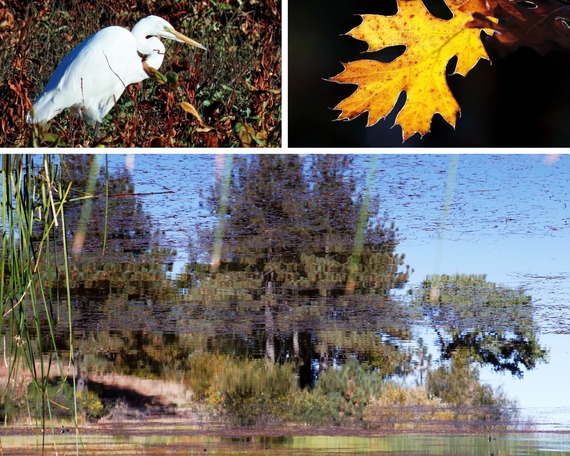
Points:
x=405, y=304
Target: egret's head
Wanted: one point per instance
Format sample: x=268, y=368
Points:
x=157, y=26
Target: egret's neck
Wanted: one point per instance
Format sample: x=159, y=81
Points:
x=143, y=45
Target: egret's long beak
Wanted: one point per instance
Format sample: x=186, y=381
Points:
x=180, y=37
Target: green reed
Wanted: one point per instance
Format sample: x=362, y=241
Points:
x=34, y=259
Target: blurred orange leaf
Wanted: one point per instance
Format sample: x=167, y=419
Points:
x=541, y=25
x=420, y=71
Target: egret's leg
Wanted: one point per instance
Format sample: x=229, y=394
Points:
x=97, y=125
x=72, y=130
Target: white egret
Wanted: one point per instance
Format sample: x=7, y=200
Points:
x=92, y=77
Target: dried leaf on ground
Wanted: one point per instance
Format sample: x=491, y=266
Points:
x=192, y=110
x=249, y=137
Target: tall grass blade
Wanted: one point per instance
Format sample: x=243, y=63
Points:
x=33, y=227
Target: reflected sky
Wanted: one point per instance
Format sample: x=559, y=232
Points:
x=506, y=216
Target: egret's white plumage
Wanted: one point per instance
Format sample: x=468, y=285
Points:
x=92, y=77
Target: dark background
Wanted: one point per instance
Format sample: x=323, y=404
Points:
x=521, y=100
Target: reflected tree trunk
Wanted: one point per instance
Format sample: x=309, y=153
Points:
x=268, y=285
x=269, y=334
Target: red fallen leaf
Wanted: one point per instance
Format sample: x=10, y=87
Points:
x=6, y=19
x=15, y=88
x=211, y=140
x=539, y=24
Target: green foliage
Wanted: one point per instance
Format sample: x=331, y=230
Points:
x=309, y=407
x=9, y=405
x=60, y=395
x=247, y=391
x=250, y=389
x=90, y=405
x=116, y=250
x=254, y=391
x=383, y=355
x=350, y=387
x=204, y=370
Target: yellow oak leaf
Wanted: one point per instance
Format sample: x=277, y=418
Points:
x=420, y=71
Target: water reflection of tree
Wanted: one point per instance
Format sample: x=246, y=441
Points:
x=121, y=257
x=118, y=224
x=490, y=324
x=280, y=288
x=287, y=250
x=297, y=218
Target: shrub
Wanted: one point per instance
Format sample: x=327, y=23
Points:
x=252, y=390
x=246, y=390
x=350, y=387
x=400, y=408
x=458, y=384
